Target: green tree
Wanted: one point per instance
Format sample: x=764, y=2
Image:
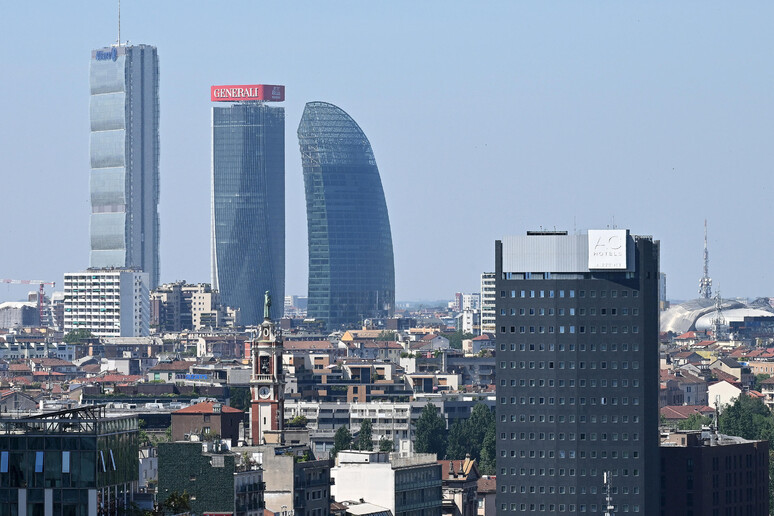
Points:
x=386, y=445
x=458, y=441
x=467, y=436
x=342, y=440
x=365, y=438
x=430, y=433
x=488, y=463
x=388, y=336
x=76, y=336
x=758, y=379
x=240, y=398
x=747, y=417
x=456, y=338
x=771, y=476
x=177, y=503
x=694, y=422
x=298, y=421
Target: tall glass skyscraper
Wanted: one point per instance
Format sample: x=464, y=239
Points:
x=124, y=84
x=248, y=206
x=351, y=268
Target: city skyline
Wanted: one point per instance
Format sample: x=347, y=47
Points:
x=575, y=102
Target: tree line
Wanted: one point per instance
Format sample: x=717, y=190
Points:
x=474, y=436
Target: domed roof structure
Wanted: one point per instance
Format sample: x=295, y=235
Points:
x=697, y=314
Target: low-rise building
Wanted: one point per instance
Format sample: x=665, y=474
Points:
x=741, y=372
x=723, y=392
x=704, y=473
x=295, y=480
x=75, y=461
x=487, y=496
x=207, y=418
x=216, y=480
x=460, y=486
x=405, y=484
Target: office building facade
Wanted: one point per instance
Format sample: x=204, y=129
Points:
x=75, y=462
x=248, y=204
x=351, y=267
x=577, y=376
x=107, y=302
x=124, y=152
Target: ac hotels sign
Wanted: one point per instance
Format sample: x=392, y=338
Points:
x=607, y=248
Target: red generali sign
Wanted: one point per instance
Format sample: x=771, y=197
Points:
x=237, y=93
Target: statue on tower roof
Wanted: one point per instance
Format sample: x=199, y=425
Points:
x=267, y=306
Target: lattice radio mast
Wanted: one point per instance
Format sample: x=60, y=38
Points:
x=705, y=284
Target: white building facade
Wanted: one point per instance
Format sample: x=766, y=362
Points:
x=107, y=302
x=405, y=484
x=488, y=323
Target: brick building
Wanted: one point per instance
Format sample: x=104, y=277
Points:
x=207, y=418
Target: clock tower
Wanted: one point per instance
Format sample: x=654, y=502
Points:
x=267, y=384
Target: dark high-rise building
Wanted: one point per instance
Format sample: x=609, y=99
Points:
x=706, y=473
x=577, y=353
x=124, y=85
x=248, y=198
x=351, y=268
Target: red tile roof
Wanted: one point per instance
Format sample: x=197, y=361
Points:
x=117, y=378
x=308, y=345
x=722, y=375
x=487, y=485
x=51, y=362
x=206, y=408
x=465, y=466
x=685, y=411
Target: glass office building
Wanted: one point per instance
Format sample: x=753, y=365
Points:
x=124, y=108
x=351, y=268
x=75, y=462
x=248, y=206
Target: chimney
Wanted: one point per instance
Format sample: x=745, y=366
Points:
x=451, y=469
x=216, y=408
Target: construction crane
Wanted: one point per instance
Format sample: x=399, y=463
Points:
x=41, y=293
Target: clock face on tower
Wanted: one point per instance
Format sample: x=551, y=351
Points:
x=264, y=392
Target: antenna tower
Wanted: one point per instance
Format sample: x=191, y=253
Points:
x=119, y=23
x=719, y=322
x=609, y=507
x=705, y=284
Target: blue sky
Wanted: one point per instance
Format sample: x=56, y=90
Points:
x=486, y=119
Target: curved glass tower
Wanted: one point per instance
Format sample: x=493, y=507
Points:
x=124, y=152
x=248, y=206
x=351, y=268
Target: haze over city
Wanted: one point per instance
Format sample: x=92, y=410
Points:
x=485, y=121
